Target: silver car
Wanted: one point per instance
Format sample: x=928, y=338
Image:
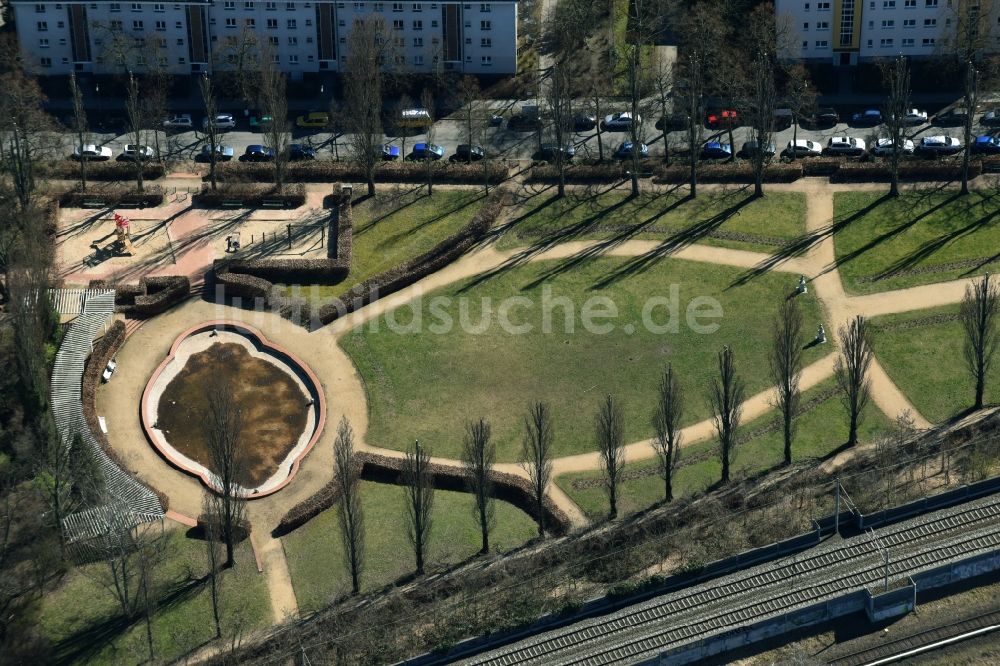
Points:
x=221, y=121
x=884, y=146
x=179, y=121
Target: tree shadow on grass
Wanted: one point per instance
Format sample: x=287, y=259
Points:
x=409, y=231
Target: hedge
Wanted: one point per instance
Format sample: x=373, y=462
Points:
x=250, y=195
x=151, y=296
x=117, y=195
x=321, y=171
x=729, y=173
x=113, y=171
x=389, y=469
x=608, y=172
x=932, y=170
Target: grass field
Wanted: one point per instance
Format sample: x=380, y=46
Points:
x=922, y=237
x=728, y=219
x=926, y=361
x=821, y=430
x=399, y=224
x=425, y=385
x=315, y=552
x=81, y=617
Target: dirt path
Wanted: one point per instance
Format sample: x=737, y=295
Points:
x=284, y=606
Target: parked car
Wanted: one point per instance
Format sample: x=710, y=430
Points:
x=672, y=123
x=619, y=122
x=426, y=151
x=722, y=118
x=954, y=118
x=414, y=117
x=298, y=152
x=625, y=151
x=258, y=153
x=548, y=151
x=523, y=122
x=313, y=120
x=884, y=146
x=221, y=121
x=714, y=150
x=824, y=117
x=783, y=119
x=867, y=118
x=180, y=121
x=467, y=153
x=804, y=148
x=914, y=117
x=387, y=151
x=939, y=145
x=583, y=122
x=749, y=149
x=260, y=122
x=135, y=152
x=222, y=153
x=845, y=145
x=986, y=145
x=496, y=120
x=92, y=153
x=991, y=118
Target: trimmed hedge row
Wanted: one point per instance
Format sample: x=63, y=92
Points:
x=582, y=174
x=151, y=296
x=104, y=350
x=389, y=469
x=116, y=171
x=868, y=172
x=118, y=195
x=250, y=195
x=320, y=171
x=729, y=173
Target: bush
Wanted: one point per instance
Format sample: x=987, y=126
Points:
x=917, y=170
x=249, y=195
x=116, y=195
x=729, y=173
x=608, y=172
x=819, y=166
x=113, y=171
x=321, y=171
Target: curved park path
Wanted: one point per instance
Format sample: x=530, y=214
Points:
x=345, y=392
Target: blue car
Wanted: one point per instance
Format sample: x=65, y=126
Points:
x=298, y=152
x=387, y=151
x=427, y=151
x=867, y=118
x=715, y=150
x=624, y=151
x=986, y=145
x=258, y=153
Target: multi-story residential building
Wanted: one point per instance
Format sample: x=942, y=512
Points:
x=193, y=36
x=846, y=32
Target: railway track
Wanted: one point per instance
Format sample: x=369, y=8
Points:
x=739, y=599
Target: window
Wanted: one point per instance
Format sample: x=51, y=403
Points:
x=397, y=25
x=468, y=40
x=398, y=42
x=889, y=4
x=272, y=24
x=871, y=5
x=181, y=61
x=39, y=9
x=434, y=24
x=137, y=26
x=486, y=61
x=230, y=5
x=417, y=7
x=230, y=23
x=821, y=44
x=907, y=42
x=343, y=40
x=42, y=26
x=822, y=25
x=275, y=58
x=486, y=43
x=930, y=23
x=910, y=4
x=161, y=26
x=418, y=41
x=178, y=25
x=289, y=6
x=251, y=22
x=46, y=62
x=805, y=45
x=293, y=59
x=806, y=8
x=309, y=40
x=823, y=6
x=418, y=25
x=486, y=25
x=309, y=58
x=43, y=43
x=928, y=41
x=340, y=23
x=115, y=7
x=180, y=41
x=293, y=41
x=400, y=60
x=397, y=6
x=291, y=23
x=805, y=27
x=379, y=6
x=136, y=7
x=309, y=23
x=62, y=41
x=116, y=25
x=418, y=60
x=885, y=42
x=159, y=8
x=273, y=41
x=247, y=5
x=485, y=8
x=888, y=23
x=930, y=3
x=909, y=23
x=271, y=6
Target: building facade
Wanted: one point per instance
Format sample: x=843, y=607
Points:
x=192, y=37
x=846, y=32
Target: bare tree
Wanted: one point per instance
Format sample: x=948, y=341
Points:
x=212, y=555
x=352, y=519
x=644, y=20
x=150, y=554
x=133, y=109
x=800, y=95
x=726, y=399
x=896, y=80
x=786, y=368
x=609, y=431
x=419, y=482
x=211, y=129
x=223, y=427
x=478, y=455
x=405, y=102
x=427, y=101
x=274, y=103
x=663, y=88
x=852, y=372
x=667, y=426
x=474, y=118
x=537, y=454
x=597, y=92
x=23, y=128
x=79, y=125
x=979, y=312
x=238, y=58
x=558, y=93
x=363, y=95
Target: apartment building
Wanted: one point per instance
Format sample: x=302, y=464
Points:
x=192, y=36
x=846, y=32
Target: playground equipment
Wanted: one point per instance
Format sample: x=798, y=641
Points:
x=123, y=235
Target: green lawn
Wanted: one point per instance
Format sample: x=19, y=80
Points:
x=821, y=429
x=394, y=227
x=921, y=237
x=80, y=618
x=315, y=550
x=723, y=219
x=425, y=385
x=927, y=364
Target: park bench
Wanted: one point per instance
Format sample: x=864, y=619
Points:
x=93, y=203
x=232, y=203
x=273, y=203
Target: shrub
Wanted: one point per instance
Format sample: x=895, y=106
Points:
x=321, y=171
x=151, y=296
x=608, y=172
x=730, y=173
x=932, y=170
x=819, y=166
x=113, y=171
x=113, y=195
x=250, y=195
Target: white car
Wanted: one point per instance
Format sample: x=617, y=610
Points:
x=221, y=121
x=134, y=152
x=845, y=145
x=914, y=117
x=939, y=145
x=92, y=152
x=883, y=147
x=804, y=148
x=181, y=121
x=619, y=122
